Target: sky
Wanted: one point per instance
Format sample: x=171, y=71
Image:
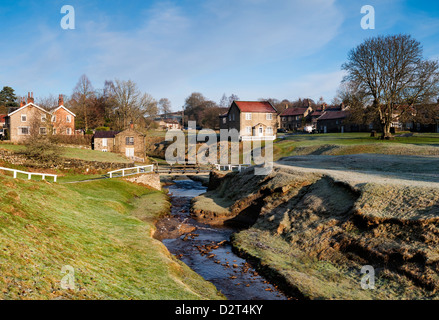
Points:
x=283, y=49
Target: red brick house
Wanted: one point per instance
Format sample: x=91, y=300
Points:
x=254, y=120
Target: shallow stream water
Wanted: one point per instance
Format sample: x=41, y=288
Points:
x=207, y=250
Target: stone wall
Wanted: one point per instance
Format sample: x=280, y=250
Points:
x=62, y=163
x=149, y=179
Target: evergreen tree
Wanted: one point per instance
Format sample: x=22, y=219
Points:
x=8, y=98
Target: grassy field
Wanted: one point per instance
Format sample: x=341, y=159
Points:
x=103, y=229
x=354, y=143
x=76, y=153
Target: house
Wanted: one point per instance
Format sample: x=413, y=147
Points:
x=294, y=118
x=129, y=142
x=104, y=141
x=169, y=124
x=333, y=121
x=63, y=119
x=30, y=119
x=254, y=120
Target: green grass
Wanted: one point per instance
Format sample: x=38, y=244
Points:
x=103, y=229
x=352, y=143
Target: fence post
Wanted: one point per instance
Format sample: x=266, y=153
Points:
x=15, y=174
x=29, y=176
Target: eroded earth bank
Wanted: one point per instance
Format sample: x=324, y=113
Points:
x=313, y=229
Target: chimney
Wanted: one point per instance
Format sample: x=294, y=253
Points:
x=286, y=106
x=60, y=100
x=132, y=125
x=22, y=102
x=30, y=97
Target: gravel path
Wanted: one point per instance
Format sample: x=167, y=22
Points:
x=370, y=168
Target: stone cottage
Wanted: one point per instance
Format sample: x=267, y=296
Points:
x=129, y=142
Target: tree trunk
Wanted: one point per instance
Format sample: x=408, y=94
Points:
x=386, y=131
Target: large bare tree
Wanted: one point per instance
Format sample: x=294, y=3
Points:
x=391, y=71
x=131, y=104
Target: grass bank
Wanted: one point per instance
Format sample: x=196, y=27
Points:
x=424, y=144
x=103, y=229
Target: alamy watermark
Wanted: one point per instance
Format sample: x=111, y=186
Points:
x=68, y=21
x=368, y=20
x=368, y=279
x=68, y=281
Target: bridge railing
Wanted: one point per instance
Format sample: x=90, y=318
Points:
x=29, y=174
x=231, y=167
x=133, y=170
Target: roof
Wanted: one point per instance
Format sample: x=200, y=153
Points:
x=62, y=107
x=255, y=106
x=2, y=117
x=330, y=115
x=105, y=134
x=294, y=111
x=28, y=105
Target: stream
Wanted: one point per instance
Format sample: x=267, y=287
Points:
x=207, y=250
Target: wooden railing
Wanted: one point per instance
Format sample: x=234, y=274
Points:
x=30, y=174
x=132, y=171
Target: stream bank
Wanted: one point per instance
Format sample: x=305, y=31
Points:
x=208, y=251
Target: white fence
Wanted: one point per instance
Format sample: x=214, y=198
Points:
x=30, y=174
x=133, y=170
x=231, y=167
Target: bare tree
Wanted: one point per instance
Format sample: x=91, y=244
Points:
x=82, y=97
x=131, y=105
x=391, y=72
x=164, y=106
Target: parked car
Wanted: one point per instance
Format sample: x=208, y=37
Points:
x=282, y=131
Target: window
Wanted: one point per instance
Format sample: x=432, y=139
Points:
x=43, y=118
x=43, y=131
x=53, y=118
x=129, y=141
x=69, y=131
x=104, y=142
x=248, y=116
x=69, y=118
x=22, y=131
x=23, y=118
x=269, y=130
x=224, y=120
x=269, y=116
x=54, y=130
x=284, y=119
x=248, y=130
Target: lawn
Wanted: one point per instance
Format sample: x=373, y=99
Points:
x=103, y=229
x=353, y=143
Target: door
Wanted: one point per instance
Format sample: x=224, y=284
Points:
x=325, y=130
x=129, y=152
x=261, y=131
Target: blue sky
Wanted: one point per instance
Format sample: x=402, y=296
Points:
x=252, y=48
